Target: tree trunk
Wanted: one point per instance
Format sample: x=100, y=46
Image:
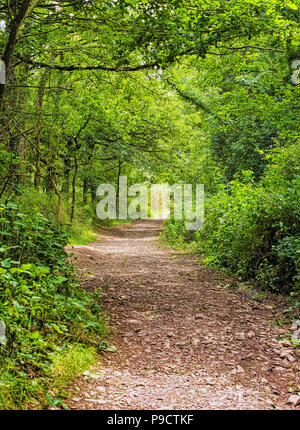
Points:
x=23, y=142
x=67, y=170
x=93, y=193
x=74, y=190
x=25, y=9
x=48, y=180
x=59, y=203
x=85, y=191
x=40, y=100
x=118, y=184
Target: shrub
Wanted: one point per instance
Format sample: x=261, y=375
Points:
x=253, y=229
x=41, y=303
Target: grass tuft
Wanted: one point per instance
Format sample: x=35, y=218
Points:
x=71, y=362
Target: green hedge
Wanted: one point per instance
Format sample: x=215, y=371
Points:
x=42, y=305
x=252, y=228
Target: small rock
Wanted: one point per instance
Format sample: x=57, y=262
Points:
x=87, y=374
x=133, y=321
x=285, y=343
x=101, y=389
x=195, y=341
x=97, y=401
x=238, y=369
x=290, y=358
x=294, y=400
x=209, y=381
x=198, y=316
x=95, y=376
x=250, y=334
x=295, y=324
x=170, y=334
x=296, y=334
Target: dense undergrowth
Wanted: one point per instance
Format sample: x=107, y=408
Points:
x=85, y=223
x=252, y=228
x=166, y=92
x=52, y=326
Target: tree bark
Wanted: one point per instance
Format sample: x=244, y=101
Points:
x=59, y=203
x=85, y=191
x=67, y=170
x=74, y=190
x=93, y=193
x=40, y=100
x=25, y=9
x=118, y=184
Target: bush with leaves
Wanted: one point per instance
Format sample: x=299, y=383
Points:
x=253, y=229
x=42, y=305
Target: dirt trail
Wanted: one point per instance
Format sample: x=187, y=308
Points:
x=186, y=337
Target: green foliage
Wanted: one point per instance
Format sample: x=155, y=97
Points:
x=179, y=92
x=253, y=229
x=32, y=202
x=31, y=239
x=43, y=306
x=71, y=361
x=82, y=235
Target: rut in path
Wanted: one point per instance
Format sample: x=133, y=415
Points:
x=186, y=336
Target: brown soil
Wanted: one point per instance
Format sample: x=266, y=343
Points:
x=187, y=337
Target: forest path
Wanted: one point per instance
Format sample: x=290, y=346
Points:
x=186, y=336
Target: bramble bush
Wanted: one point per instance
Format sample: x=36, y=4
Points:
x=43, y=307
x=252, y=229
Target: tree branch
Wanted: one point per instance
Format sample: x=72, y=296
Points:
x=94, y=67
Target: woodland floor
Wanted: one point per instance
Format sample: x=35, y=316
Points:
x=187, y=337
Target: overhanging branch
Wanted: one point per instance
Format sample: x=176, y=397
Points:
x=93, y=67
